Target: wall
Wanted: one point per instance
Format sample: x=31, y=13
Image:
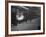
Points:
x=2, y=19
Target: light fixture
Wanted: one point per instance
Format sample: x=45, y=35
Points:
x=21, y=17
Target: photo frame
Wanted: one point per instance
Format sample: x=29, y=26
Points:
x=14, y=28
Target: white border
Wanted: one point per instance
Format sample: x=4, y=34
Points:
x=22, y=32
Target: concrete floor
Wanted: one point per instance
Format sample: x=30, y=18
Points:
x=33, y=25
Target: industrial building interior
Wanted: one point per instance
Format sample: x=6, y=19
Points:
x=25, y=18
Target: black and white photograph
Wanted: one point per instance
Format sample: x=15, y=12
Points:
x=25, y=18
